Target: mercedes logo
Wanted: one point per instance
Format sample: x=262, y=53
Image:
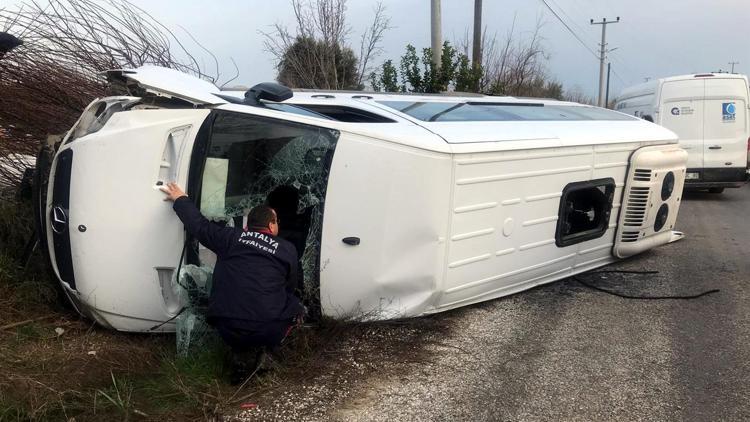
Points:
x=59, y=219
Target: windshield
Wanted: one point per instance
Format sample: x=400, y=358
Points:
x=500, y=112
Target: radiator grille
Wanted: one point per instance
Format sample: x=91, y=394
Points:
x=642, y=175
x=61, y=200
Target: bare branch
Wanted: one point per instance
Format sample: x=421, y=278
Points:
x=370, y=46
x=49, y=79
x=236, y=73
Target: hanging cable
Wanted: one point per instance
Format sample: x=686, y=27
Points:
x=583, y=43
x=627, y=296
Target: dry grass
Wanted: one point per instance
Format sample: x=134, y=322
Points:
x=59, y=366
x=85, y=372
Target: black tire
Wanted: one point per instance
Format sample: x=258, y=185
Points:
x=715, y=190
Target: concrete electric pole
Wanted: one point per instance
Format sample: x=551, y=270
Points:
x=437, y=34
x=604, y=22
x=732, y=64
x=476, y=56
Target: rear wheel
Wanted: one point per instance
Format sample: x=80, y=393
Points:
x=716, y=190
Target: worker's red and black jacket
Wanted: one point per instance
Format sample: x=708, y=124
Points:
x=255, y=274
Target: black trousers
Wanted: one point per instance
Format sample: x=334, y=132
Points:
x=243, y=336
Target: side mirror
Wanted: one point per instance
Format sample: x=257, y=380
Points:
x=267, y=91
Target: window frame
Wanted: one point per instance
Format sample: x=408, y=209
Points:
x=563, y=240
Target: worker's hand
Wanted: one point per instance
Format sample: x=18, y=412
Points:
x=173, y=191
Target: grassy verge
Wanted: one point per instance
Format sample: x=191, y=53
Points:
x=56, y=366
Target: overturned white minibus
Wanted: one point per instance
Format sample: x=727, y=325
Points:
x=400, y=205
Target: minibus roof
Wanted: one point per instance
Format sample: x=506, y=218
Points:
x=466, y=122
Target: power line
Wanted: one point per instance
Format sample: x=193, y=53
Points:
x=617, y=75
x=610, y=53
x=569, y=29
x=616, y=57
x=580, y=40
x=621, y=62
x=579, y=27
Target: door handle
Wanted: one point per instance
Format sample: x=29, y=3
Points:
x=714, y=147
x=353, y=241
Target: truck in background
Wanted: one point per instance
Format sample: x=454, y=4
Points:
x=709, y=112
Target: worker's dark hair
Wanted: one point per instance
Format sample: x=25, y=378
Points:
x=260, y=217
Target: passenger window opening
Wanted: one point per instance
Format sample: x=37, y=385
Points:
x=253, y=161
x=584, y=212
x=346, y=114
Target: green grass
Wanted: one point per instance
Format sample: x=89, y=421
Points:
x=145, y=377
x=186, y=381
x=11, y=412
x=119, y=396
x=169, y=388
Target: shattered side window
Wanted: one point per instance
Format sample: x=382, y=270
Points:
x=251, y=161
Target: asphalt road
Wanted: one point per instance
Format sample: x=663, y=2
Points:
x=566, y=352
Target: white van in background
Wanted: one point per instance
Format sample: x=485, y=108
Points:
x=709, y=112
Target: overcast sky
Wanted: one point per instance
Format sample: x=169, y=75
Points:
x=655, y=38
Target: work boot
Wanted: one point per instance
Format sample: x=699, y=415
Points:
x=244, y=364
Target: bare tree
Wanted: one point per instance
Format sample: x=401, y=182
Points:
x=514, y=65
x=370, y=46
x=316, y=53
x=515, y=62
x=48, y=79
x=577, y=95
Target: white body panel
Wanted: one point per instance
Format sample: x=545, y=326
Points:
x=395, y=199
x=448, y=214
x=131, y=233
x=709, y=113
x=504, y=214
x=170, y=82
x=497, y=237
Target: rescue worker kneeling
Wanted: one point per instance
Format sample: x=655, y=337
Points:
x=252, y=303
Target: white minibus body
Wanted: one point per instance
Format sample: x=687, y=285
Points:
x=399, y=205
x=709, y=113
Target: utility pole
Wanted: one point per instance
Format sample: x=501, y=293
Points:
x=732, y=64
x=476, y=55
x=604, y=22
x=437, y=35
x=606, y=97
